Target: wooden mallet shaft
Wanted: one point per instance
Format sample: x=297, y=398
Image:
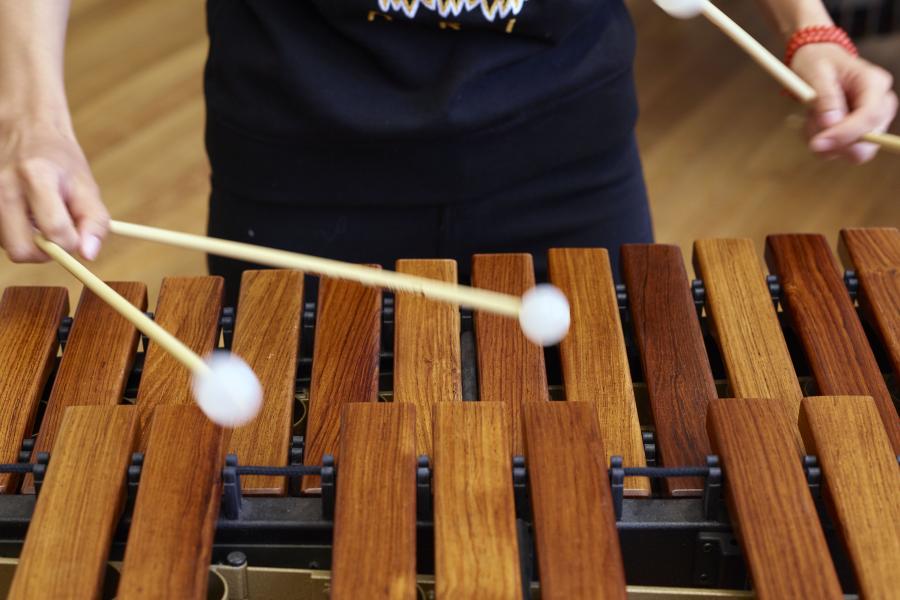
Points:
x=142, y=322
x=481, y=299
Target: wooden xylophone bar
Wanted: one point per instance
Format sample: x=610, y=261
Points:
x=475, y=510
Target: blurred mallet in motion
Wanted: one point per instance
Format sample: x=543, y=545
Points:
x=543, y=311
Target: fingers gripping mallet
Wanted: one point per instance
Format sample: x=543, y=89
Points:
x=688, y=9
x=225, y=388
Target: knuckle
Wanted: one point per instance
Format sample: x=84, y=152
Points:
x=56, y=229
x=91, y=186
x=89, y=193
x=876, y=78
x=85, y=185
x=102, y=219
x=866, y=123
x=884, y=78
x=872, y=120
x=34, y=169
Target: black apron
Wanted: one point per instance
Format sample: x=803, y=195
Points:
x=417, y=118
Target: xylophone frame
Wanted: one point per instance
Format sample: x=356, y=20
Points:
x=683, y=542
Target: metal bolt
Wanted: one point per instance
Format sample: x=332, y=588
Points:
x=236, y=559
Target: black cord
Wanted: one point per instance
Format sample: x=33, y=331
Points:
x=17, y=468
x=666, y=471
x=292, y=471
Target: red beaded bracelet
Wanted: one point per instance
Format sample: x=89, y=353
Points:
x=819, y=34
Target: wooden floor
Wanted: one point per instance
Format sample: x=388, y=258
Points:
x=718, y=157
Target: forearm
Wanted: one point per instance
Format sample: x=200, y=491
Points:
x=32, y=42
x=788, y=16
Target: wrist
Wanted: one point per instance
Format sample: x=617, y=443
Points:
x=32, y=41
x=35, y=102
x=32, y=85
x=44, y=115
x=802, y=15
x=816, y=35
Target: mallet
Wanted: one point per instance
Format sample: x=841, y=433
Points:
x=543, y=311
x=687, y=9
x=225, y=388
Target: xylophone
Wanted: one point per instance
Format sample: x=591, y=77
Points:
x=683, y=435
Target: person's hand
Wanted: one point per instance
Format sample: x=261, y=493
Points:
x=855, y=97
x=46, y=184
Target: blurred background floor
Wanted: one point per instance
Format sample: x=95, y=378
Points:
x=718, y=156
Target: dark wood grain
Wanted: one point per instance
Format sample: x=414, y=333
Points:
x=75, y=516
x=374, y=552
x=345, y=364
x=426, y=348
x=874, y=254
x=476, y=550
x=746, y=327
x=170, y=539
x=594, y=363
x=574, y=521
x=769, y=501
x=29, y=320
x=188, y=308
x=870, y=248
x=510, y=368
x=820, y=309
x=95, y=364
x=679, y=379
x=861, y=479
x=267, y=337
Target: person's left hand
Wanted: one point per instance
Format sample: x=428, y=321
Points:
x=854, y=97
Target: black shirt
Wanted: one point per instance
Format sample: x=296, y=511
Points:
x=411, y=101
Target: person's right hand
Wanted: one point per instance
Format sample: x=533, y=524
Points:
x=46, y=184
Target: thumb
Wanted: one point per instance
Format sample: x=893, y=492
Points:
x=830, y=105
x=90, y=216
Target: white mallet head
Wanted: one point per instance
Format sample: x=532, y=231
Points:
x=544, y=315
x=228, y=392
x=682, y=9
